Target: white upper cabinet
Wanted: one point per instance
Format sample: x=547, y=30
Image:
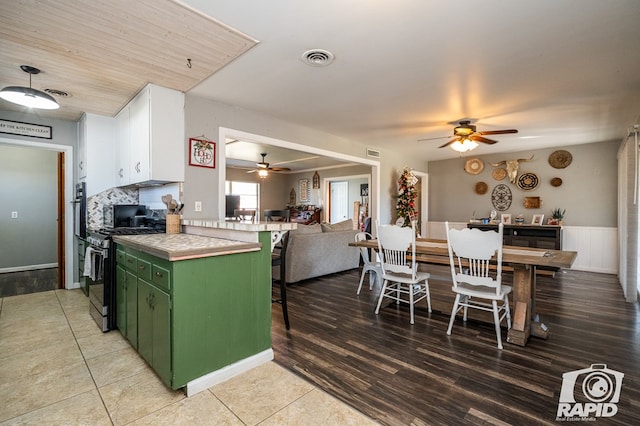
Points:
x=96, y=152
x=122, y=143
x=156, y=136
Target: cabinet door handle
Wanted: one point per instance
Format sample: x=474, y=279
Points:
x=141, y=267
x=138, y=167
x=81, y=165
x=121, y=173
x=159, y=274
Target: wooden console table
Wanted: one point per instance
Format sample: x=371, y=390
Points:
x=305, y=217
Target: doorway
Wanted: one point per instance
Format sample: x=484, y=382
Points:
x=338, y=201
x=231, y=134
x=63, y=228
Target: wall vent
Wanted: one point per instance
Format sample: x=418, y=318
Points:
x=374, y=153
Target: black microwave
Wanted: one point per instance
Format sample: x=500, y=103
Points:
x=123, y=214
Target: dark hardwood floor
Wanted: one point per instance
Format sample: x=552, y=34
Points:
x=401, y=374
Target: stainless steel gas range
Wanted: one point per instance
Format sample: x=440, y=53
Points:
x=100, y=267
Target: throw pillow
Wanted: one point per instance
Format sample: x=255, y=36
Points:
x=345, y=225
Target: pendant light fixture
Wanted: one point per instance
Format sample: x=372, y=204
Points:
x=26, y=96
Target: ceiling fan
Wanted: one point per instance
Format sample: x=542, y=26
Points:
x=465, y=136
x=263, y=168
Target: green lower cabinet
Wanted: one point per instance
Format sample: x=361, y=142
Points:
x=154, y=329
x=121, y=300
x=197, y=316
x=131, y=306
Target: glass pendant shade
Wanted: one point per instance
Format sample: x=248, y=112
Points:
x=26, y=96
x=263, y=173
x=464, y=146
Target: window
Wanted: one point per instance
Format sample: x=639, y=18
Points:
x=248, y=191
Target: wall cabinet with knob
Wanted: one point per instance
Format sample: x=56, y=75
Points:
x=95, y=152
x=150, y=137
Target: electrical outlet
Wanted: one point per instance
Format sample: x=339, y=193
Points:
x=14, y=215
x=198, y=206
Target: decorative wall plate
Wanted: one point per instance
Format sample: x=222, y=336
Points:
x=556, y=181
x=481, y=188
x=527, y=181
x=473, y=166
x=560, y=159
x=499, y=173
x=501, y=197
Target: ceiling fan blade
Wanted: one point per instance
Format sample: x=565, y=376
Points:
x=432, y=139
x=497, y=132
x=251, y=171
x=481, y=139
x=280, y=169
x=456, y=139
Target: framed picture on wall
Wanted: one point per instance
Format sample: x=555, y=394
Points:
x=304, y=190
x=202, y=153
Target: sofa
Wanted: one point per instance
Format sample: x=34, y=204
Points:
x=319, y=249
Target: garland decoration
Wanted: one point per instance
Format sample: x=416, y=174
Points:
x=407, y=194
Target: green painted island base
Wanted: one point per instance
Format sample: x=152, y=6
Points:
x=228, y=372
x=196, y=321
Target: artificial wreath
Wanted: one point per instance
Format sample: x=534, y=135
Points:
x=407, y=193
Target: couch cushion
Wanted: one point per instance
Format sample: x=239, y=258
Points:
x=307, y=229
x=345, y=225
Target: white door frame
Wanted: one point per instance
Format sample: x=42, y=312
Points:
x=225, y=133
x=68, y=197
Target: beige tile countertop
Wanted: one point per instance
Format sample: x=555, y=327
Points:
x=175, y=247
x=240, y=225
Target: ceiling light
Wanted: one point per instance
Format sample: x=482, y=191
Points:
x=26, y=96
x=263, y=173
x=464, y=145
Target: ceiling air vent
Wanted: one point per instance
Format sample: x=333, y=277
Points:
x=373, y=153
x=56, y=92
x=318, y=57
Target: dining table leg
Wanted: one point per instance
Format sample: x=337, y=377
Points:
x=526, y=321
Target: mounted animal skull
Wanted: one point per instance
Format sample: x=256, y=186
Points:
x=512, y=167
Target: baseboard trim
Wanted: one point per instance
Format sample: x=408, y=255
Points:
x=28, y=268
x=226, y=373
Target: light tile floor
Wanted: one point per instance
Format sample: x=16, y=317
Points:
x=56, y=367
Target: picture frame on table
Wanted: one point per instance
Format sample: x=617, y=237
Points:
x=537, y=219
x=505, y=219
x=202, y=153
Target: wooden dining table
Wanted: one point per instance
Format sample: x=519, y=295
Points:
x=524, y=261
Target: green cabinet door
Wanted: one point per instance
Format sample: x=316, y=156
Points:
x=132, y=308
x=121, y=300
x=154, y=329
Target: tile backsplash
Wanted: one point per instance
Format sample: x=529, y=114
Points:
x=99, y=215
x=96, y=205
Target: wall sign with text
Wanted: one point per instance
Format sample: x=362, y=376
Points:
x=25, y=129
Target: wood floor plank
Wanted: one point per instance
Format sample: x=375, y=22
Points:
x=401, y=374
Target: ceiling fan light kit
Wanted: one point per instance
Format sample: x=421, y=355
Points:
x=466, y=137
x=464, y=145
x=27, y=96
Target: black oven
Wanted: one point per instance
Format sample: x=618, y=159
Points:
x=80, y=210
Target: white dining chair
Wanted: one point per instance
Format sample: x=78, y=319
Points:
x=401, y=280
x=470, y=255
x=372, y=266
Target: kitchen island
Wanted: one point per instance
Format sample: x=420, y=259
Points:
x=197, y=307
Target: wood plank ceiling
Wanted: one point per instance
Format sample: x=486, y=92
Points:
x=103, y=52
